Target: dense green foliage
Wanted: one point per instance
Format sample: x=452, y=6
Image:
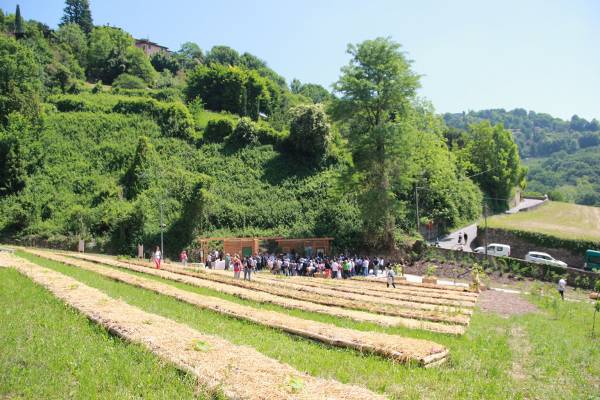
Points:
x=20, y=84
x=568, y=177
x=565, y=163
x=245, y=155
x=396, y=144
x=491, y=157
x=310, y=133
x=537, y=134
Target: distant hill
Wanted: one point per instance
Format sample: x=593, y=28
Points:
x=537, y=134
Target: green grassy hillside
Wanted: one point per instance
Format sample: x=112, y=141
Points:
x=563, y=220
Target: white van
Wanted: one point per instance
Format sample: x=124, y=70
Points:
x=544, y=258
x=495, y=249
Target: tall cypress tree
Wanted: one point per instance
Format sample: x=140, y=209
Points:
x=1, y=20
x=78, y=12
x=18, y=22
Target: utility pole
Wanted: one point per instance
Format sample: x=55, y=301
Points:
x=162, y=244
x=417, y=208
x=485, y=244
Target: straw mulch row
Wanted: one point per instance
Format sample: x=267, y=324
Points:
x=399, y=292
x=436, y=314
x=260, y=297
x=378, y=281
x=238, y=372
x=401, y=298
x=397, y=348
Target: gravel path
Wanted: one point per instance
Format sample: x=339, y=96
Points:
x=505, y=304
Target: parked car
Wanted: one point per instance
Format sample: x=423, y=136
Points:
x=495, y=249
x=544, y=258
x=592, y=260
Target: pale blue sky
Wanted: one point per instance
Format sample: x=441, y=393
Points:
x=539, y=55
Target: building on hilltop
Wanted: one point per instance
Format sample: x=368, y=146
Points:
x=149, y=48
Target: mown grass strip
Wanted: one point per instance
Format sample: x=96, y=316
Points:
x=420, y=352
x=49, y=351
x=221, y=367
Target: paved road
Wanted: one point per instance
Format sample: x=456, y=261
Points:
x=526, y=203
x=451, y=241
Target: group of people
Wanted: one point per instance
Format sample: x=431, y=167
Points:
x=341, y=267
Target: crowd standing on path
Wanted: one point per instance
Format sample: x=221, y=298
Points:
x=340, y=267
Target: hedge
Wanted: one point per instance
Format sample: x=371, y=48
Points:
x=521, y=268
x=542, y=239
x=217, y=130
x=173, y=118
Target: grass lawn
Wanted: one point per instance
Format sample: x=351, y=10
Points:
x=498, y=358
x=49, y=351
x=564, y=220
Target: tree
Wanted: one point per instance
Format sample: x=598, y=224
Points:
x=190, y=55
x=493, y=161
x=20, y=80
x=126, y=81
x=73, y=39
x=78, y=12
x=19, y=28
x=162, y=61
x=138, y=176
x=376, y=89
x=111, y=52
x=227, y=88
x=1, y=20
x=223, y=55
x=310, y=132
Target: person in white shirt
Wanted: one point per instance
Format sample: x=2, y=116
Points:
x=562, y=284
x=366, y=267
x=157, y=257
x=335, y=267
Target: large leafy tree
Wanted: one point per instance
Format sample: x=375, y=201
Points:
x=310, y=134
x=111, y=52
x=223, y=55
x=492, y=158
x=227, y=88
x=375, y=93
x=20, y=80
x=73, y=39
x=78, y=12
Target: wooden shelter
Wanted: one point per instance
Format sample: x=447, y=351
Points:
x=249, y=246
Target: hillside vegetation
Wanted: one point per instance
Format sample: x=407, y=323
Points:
x=562, y=220
x=536, y=134
x=100, y=142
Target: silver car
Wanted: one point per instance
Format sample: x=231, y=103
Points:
x=544, y=258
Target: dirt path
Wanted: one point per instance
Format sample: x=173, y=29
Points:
x=520, y=347
x=420, y=352
x=505, y=304
x=239, y=372
x=261, y=297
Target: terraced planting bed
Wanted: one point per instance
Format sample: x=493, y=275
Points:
x=262, y=297
x=435, y=313
x=419, y=352
x=220, y=367
x=231, y=345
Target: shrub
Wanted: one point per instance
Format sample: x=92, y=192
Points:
x=217, y=130
x=127, y=81
x=173, y=118
x=310, y=132
x=245, y=133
